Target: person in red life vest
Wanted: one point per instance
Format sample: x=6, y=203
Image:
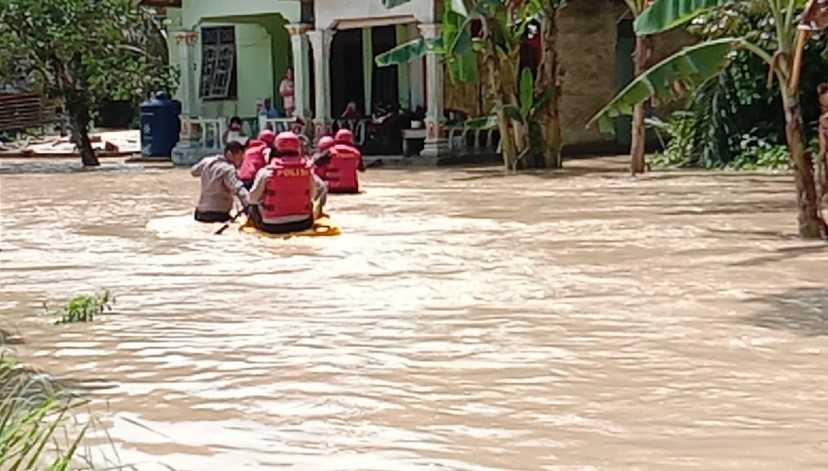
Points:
x=256, y=157
x=287, y=196
x=341, y=173
x=324, y=145
x=254, y=160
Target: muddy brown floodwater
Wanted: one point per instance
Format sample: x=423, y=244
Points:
x=465, y=320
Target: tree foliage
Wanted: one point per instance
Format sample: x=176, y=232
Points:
x=735, y=120
x=82, y=53
x=526, y=111
x=694, y=65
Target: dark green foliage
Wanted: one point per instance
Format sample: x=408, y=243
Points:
x=83, y=52
x=735, y=119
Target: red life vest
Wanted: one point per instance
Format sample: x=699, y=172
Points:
x=341, y=174
x=288, y=191
x=254, y=160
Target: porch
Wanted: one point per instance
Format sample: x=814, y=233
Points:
x=232, y=62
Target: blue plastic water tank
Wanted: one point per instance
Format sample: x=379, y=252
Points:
x=160, y=125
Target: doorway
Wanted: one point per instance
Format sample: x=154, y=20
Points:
x=385, y=84
x=347, y=77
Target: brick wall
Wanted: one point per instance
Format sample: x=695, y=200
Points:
x=587, y=44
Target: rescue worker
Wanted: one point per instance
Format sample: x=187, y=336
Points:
x=341, y=174
x=325, y=144
x=219, y=183
x=256, y=157
x=287, y=196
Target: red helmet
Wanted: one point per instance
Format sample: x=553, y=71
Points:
x=344, y=136
x=325, y=143
x=287, y=143
x=267, y=136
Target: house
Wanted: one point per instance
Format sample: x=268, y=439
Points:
x=234, y=54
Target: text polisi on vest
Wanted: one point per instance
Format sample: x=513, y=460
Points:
x=293, y=172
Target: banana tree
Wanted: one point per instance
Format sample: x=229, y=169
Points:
x=502, y=26
x=643, y=61
x=692, y=66
x=525, y=113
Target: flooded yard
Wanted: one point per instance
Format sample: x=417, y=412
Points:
x=464, y=320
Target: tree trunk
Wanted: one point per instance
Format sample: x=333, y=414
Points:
x=79, y=119
x=643, y=56
x=811, y=224
x=507, y=145
x=548, y=77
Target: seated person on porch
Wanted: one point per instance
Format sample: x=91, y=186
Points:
x=286, y=196
x=351, y=111
x=219, y=183
x=267, y=110
x=234, y=132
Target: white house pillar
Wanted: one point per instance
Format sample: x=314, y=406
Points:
x=186, y=41
x=301, y=68
x=435, y=142
x=321, y=40
x=415, y=73
x=188, y=150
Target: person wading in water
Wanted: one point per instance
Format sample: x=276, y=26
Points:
x=219, y=183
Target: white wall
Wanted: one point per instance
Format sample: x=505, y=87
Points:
x=328, y=12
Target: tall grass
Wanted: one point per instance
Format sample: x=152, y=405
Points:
x=32, y=414
x=40, y=427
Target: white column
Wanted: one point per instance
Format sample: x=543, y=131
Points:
x=415, y=71
x=301, y=68
x=403, y=78
x=435, y=142
x=321, y=40
x=367, y=69
x=186, y=41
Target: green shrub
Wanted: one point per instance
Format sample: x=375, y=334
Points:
x=82, y=308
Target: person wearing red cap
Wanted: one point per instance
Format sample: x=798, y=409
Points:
x=323, y=146
x=286, y=196
x=341, y=174
x=255, y=157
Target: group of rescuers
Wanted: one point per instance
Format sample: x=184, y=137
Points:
x=282, y=188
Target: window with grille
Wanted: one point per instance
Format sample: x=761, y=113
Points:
x=218, y=63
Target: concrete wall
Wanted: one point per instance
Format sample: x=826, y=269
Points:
x=587, y=44
x=328, y=12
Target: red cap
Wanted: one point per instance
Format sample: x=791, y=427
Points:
x=267, y=136
x=288, y=143
x=325, y=143
x=344, y=136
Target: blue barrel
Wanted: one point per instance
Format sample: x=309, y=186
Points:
x=160, y=126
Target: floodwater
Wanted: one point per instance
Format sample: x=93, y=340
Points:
x=465, y=320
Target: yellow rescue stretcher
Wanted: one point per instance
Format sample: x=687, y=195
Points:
x=323, y=226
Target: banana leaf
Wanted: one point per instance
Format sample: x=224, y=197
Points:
x=409, y=51
x=690, y=66
x=663, y=15
x=393, y=3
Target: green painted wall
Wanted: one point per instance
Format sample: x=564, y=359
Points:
x=262, y=42
x=254, y=71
